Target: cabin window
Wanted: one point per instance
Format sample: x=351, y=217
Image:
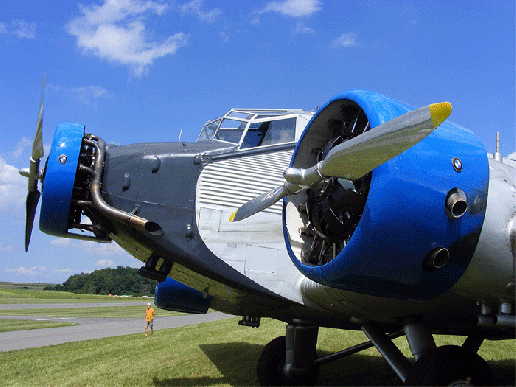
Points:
x=269, y=133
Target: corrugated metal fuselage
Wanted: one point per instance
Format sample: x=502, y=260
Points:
x=192, y=189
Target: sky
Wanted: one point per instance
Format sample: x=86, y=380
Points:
x=143, y=71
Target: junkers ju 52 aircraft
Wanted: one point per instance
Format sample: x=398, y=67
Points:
x=365, y=215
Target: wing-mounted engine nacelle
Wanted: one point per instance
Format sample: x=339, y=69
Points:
x=173, y=295
x=409, y=228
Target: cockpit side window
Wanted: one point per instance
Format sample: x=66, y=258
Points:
x=269, y=133
x=255, y=134
x=280, y=132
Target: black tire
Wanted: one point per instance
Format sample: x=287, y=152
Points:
x=271, y=363
x=450, y=365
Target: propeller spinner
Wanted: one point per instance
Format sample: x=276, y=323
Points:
x=356, y=157
x=33, y=173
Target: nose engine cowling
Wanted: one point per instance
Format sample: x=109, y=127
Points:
x=63, y=190
x=406, y=230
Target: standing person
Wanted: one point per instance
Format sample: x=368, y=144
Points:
x=149, y=319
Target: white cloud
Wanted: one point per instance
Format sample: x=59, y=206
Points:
x=38, y=272
x=104, y=263
x=19, y=28
x=196, y=8
x=88, y=95
x=24, y=148
x=13, y=187
x=302, y=29
x=113, y=11
x=34, y=271
x=293, y=8
x=115, y=31
x=23, y=144
x=6, y=248
x=60, y=242
x=348, y=39
x=224, y=37
x=106, y=249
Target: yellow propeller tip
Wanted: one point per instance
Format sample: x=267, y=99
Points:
x=440, y=112
x=232, y=217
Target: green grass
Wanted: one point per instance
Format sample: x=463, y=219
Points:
x=89, y=312
x=8, y=325
x=11, y=293
x=220, y=353
x=20, y=285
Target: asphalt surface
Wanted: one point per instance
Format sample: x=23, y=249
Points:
x=89, y=328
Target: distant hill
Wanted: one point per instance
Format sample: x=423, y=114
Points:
x=119, y=281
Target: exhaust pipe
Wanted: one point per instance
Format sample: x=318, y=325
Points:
x=436, y=259
x=456, y=203
x=130, y=219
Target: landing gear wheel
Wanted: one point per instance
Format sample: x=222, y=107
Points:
x=450, y=365
x=271, y=363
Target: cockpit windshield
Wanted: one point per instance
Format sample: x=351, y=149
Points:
x=252, y=128
x=230, y=130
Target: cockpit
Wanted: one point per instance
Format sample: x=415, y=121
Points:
x=249, y=128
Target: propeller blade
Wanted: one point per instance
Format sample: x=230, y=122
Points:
x=356, y=157
x=37, y=144
x=33, y=173
x=360, y=155
x=263, y=201
x=31, y=205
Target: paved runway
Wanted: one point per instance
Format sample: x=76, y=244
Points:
x=91, y=328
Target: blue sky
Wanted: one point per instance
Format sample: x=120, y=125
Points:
x=142, y=71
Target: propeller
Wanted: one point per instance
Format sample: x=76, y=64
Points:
x=356, y=157
x=33, y=173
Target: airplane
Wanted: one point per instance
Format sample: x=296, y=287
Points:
x=366, y=214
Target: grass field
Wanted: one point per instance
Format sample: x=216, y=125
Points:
x=27, y=294
x=14, y=293
x=220, y=353
x=20, y=285
x=89, y=312
x=7, y=325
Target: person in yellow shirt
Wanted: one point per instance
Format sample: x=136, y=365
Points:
x=149, y=319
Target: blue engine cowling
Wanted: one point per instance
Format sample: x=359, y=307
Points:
x=404, y=244
x=173, y=295
x=59, y=180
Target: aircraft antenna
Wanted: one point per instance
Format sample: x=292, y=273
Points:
x=497, y=156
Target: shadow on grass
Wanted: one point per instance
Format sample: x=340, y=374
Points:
x=504, y=371
x=237, y=363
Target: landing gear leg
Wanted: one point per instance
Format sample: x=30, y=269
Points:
x=290, y=360
x=474, y=341
x=388, y=349
x=420, y=339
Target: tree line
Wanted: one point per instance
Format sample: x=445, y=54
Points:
x=119, y=281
